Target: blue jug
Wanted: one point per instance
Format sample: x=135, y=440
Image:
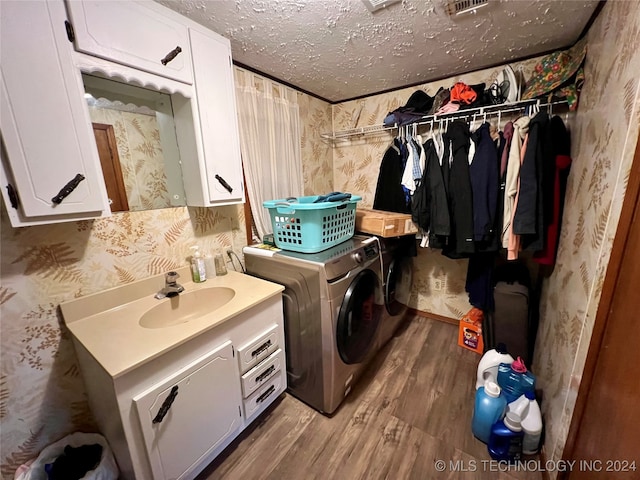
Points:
x=505, y=441
x=489, y=407
x=515, y=380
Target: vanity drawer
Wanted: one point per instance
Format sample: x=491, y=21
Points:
x=262, y=373
x=264, y=395
x=256, y=350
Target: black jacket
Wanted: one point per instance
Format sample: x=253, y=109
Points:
x=459, y=193
x=528, y=215
x=429, y=208
x=390, y=195
x=484, y=183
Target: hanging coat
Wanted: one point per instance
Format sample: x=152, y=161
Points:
x=390, y=195
x=484, y=184
x=559, y=145
x=429, y=208
x=526, y=220
x=512, y=175
x=459, y=193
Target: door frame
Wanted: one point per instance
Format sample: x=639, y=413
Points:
x=606, y=298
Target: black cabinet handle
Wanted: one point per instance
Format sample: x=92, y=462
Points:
x=67, y=189
x=224, y=183
x=261, y=348
x=264, y=396
x=171, y=55
x=265, y=374
x=166, y=405
x=13, y=195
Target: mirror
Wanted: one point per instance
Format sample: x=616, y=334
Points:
x=136, y=139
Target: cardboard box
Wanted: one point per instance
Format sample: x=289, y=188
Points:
x=384, y=224
x=470, y=331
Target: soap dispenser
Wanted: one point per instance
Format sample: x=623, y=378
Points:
x=198, y=269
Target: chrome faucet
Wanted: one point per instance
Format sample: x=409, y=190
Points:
x=171, y=287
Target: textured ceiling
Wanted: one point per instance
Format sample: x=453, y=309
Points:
x=337, y=49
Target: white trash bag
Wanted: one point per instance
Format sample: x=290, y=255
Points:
x=106, y=469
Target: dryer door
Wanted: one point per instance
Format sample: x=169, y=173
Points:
x=398, y=284
x=358, y=318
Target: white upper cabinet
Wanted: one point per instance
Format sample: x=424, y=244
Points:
x=133, y=34
x=220, y=173
x=50, y=167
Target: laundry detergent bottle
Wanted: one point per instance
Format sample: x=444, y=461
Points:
x=527, y=408
x=488, y=365
x=515, y=380
x=505, y=441
x=489, y=407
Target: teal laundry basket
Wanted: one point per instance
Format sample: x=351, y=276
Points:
x=300, y=225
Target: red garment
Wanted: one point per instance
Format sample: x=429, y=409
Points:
x=462, y=93
x=548, y=255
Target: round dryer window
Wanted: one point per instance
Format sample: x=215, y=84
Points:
x=358, y=318
x=398, y=286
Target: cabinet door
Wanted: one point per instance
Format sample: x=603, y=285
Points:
x=45, y=126
x=218, y=118
x=134, y=34
x=201, y=405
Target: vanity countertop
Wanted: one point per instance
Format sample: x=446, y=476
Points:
x=107, y=323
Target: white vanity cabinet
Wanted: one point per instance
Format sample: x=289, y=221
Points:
x=170, y=399
x=138, y=35
x=44, y=122
x=190, y=413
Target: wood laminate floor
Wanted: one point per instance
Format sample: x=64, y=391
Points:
x=410, y=409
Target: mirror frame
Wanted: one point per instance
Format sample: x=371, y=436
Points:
x=179, y=118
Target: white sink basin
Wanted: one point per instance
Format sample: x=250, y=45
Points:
x=186, y=307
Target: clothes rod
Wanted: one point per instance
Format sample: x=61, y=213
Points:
x=432, y=119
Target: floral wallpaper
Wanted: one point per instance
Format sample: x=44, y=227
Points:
x=604, y=138
x=141, y=158
x=317, y=159
x=41, y=392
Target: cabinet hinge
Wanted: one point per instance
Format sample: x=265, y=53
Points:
x=239, y=411
x=70, y=34
x=13, y=196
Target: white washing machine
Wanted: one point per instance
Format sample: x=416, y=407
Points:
x=332, y=310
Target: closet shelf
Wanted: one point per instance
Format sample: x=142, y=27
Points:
x=345, y=135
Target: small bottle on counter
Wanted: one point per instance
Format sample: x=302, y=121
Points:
x=221, y=268
x=198, y=270
x=209, y=265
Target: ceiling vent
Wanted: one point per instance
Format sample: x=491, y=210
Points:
x=375, y=5
x=458, y=7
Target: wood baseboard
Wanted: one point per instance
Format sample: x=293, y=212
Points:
x=434, y=316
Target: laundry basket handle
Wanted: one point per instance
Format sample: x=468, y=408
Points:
x=283, y=208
